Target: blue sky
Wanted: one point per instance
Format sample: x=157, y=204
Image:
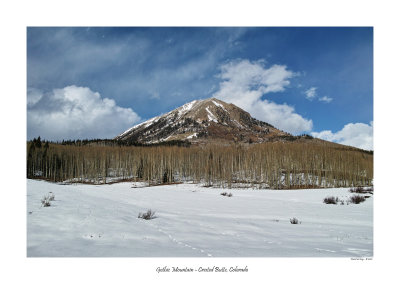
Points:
x=97, y=82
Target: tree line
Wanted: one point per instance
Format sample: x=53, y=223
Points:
x=267, y=165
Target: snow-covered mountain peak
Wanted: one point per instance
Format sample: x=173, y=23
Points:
x=202, y=121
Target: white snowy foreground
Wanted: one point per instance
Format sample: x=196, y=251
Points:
x=193, y=221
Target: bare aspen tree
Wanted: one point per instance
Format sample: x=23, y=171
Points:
x=273, y=165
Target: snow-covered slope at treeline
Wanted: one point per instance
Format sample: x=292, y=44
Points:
x=102, y=220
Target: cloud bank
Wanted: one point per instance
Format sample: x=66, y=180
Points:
x=75, y=113
x=359, y=135
x=245, y=82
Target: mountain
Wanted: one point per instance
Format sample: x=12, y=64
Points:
x=204, y=121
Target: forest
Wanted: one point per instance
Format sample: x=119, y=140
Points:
x=276, y=165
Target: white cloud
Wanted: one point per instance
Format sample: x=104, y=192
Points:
x=325, y=99
x=359, y=135
x=311, y=93
x=75, y=113
x=34, y=96
x=245, y=82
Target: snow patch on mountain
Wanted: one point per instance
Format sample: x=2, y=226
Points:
x=238, y=123
x=185, y=108
x=219, y=105
x=144, y=123
x=211, y=116
x=192, y=136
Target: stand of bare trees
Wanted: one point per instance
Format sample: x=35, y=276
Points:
x=267, y=165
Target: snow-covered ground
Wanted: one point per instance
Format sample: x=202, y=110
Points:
x=193, y=221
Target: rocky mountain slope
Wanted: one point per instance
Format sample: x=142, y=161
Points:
x=204, y=120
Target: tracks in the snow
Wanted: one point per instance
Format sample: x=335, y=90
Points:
x=180, y=243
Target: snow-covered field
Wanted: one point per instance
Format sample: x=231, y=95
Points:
x=193, y=221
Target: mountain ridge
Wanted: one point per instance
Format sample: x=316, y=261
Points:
x=203, y=121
